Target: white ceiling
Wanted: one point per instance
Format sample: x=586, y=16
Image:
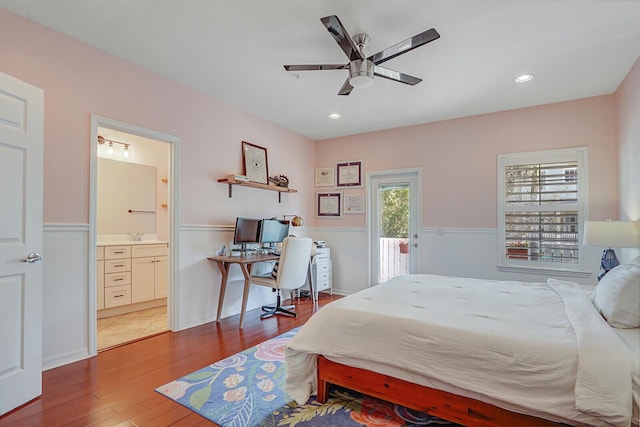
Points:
x=234, y=50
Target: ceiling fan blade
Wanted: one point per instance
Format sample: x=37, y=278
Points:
x=346, y=88
x=404, y=46
x=316, y=67
x=342, y=37
x=396, y=76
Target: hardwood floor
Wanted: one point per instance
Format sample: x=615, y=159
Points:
x=116, y=388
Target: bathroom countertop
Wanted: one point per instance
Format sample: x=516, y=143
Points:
x=129, y=242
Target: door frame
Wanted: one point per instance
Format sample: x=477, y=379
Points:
x=172, y=210
x=413, y=177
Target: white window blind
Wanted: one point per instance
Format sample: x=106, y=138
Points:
x=541, y=209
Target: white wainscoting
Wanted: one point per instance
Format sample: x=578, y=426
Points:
x=447, y=251
x=199, y=279
x=65, y=325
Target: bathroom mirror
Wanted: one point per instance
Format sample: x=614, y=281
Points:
x=126, y=197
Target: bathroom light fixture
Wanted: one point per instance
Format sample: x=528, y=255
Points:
x=125, y=153
x=524, y=78
x=334, y=116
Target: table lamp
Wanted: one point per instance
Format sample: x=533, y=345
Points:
x=618, y=234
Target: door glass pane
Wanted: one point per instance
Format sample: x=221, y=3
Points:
x=393, y=229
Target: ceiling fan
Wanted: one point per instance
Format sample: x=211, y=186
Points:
x=362, y=68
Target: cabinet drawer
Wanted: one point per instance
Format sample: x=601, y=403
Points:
x=99, y=253
x=117, y=295
x=117, y=252
x=323, y=277
x=323, y=267
x=323, y=284
x=117, y=265
x=148, y=250
x=322, y=254
x=117, y=279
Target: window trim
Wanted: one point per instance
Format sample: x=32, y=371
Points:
x=579, y=154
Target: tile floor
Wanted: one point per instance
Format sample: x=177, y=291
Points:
x=123, y=328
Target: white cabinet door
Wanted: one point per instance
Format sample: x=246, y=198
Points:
x=161, y=276
x=142, y=279
x=21, y=175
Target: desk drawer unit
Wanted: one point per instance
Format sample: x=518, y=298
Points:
x=323, y=276
x=117, y=265
x=117, y=295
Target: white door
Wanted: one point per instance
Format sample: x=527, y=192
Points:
x=394, y=223
x=21, y=173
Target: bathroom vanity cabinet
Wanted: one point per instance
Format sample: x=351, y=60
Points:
x=132, y=277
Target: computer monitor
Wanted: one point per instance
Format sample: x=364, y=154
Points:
x=273, y=231
x=247, y=231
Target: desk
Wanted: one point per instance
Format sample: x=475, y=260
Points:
x=245, y=263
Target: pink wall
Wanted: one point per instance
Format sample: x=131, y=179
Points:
x=458, y=157
x=628, y=113
x=79, y=80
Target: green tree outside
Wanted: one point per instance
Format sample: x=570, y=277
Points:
x=395, y=213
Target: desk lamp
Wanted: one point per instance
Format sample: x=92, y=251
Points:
x=619, y=234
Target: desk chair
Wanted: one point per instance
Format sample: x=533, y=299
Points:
x=291, y=274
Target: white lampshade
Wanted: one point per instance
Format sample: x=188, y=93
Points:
x=613, y=234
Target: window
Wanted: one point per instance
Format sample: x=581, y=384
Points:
x=541, y=199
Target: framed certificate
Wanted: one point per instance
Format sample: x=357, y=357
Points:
x=349, y=174
x=325, y=177
x=353, y=204
x=329, y=205
x=255, y=163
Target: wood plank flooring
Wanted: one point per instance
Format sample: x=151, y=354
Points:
x=116, y=388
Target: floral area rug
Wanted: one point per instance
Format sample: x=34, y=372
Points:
x=247, y=389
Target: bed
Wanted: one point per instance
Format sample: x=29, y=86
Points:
x=476, y=352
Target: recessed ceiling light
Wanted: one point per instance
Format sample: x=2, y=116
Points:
x=524, y=78
x=334, y=116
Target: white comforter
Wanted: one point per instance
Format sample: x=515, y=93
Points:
x=537, y=348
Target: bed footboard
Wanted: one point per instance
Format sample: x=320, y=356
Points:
x=459, y=409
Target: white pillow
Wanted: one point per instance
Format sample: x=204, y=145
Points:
x=635, y=261
x=617, y=296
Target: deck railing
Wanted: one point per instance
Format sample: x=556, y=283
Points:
x=392, y=262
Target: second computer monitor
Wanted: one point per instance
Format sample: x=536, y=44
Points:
x=273, y=231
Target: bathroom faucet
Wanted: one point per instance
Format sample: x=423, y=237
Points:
x=137, y=237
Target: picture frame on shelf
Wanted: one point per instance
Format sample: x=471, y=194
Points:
x=349, y=174
x=256, y=167
x=325, y=177
x=329, y=205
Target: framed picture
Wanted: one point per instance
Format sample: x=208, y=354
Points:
x=255, y=163
x=353, y=204
x=325, y=177
x=349, y=174
x=329, y=205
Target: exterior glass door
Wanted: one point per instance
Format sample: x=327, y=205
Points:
x=394, y=225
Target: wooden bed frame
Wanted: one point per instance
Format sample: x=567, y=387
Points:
x=451, y=407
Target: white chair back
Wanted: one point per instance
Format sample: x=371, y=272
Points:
x=294, y=262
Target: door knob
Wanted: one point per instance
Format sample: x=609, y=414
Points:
x=32, y=257
x=415, y=245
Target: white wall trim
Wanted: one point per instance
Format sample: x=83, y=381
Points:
x=442, y=230
x=64, y=359
x=67, y=228
x=206, y=227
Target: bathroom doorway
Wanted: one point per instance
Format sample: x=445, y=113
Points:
x=133, y=230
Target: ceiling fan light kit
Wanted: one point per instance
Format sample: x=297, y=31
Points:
x=362, y=69
x=361, y=73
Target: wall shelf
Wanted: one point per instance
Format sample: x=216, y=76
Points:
x=231, y=182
